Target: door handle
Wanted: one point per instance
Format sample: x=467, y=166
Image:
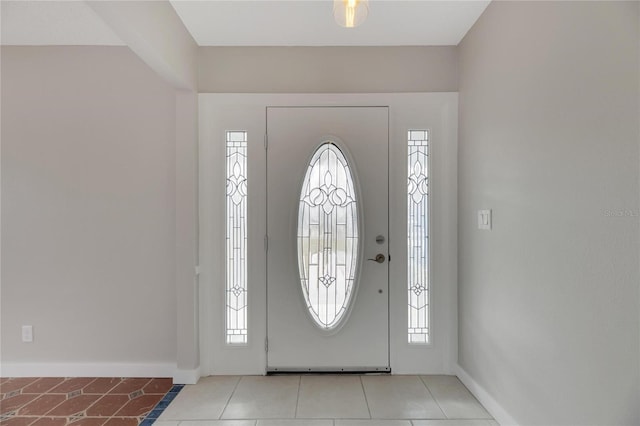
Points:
x=379, y=258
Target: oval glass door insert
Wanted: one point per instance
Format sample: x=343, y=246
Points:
x=327, y=235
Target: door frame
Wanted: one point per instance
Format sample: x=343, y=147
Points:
x=436, y=111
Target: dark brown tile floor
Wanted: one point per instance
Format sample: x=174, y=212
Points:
x=57, y=401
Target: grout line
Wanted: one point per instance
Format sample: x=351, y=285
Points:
x=81, y=390
x=112, y=387
x=434, y=398
x=84, y=412
x=295, y=414
x=66, y=398
x=365, y=395
x=226, y=404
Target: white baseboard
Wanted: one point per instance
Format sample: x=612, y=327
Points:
x=28, y=369
x=492, y=406
x=186, y=377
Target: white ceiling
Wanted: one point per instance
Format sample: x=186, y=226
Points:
x=53, y=23
x=310, y=22
x=252, y=23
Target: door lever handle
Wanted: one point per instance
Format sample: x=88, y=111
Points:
x=379, y=258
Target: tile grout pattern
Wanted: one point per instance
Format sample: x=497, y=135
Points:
x=58, y=401
x=430, y=394
x=295, y=415
x=330, y=422
x=326, y=400
x=366, y=401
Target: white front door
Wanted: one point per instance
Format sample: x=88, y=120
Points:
x=327, y=214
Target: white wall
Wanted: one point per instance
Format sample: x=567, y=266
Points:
x=186, y=228
x=327, y=69
x=154, y=31
x=88, y=212
x=548, y=299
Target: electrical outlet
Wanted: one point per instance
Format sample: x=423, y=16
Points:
x=27, y=333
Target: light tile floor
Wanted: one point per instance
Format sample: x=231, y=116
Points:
x=326, y=400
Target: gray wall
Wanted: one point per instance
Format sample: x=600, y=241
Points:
x=328, y=69
x=548, y=299
x=91, y=157
x=88, y=206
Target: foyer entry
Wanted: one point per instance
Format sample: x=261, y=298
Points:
x=241, y=330
x=328, y=400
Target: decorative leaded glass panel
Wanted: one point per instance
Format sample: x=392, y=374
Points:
x=236, y=238
x=328, y=236
x=418, y=236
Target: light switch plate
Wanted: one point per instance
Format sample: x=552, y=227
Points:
x=484, y=219
x=27, y=333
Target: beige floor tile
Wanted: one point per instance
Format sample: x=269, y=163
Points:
x=452, y=422
x=373, y=422
x=400, y=397
x=204, y=401
x=218, y=423
x=318, y=400
x=332, y=397
x=454, y=398
x=295, y=422
x=263, y=397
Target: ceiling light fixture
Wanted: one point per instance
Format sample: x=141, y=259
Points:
x=350, y=13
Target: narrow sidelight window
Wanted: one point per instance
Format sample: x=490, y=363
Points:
x=418, y=236
x=236, y=238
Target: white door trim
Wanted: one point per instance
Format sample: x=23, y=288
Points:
x=436, y=111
